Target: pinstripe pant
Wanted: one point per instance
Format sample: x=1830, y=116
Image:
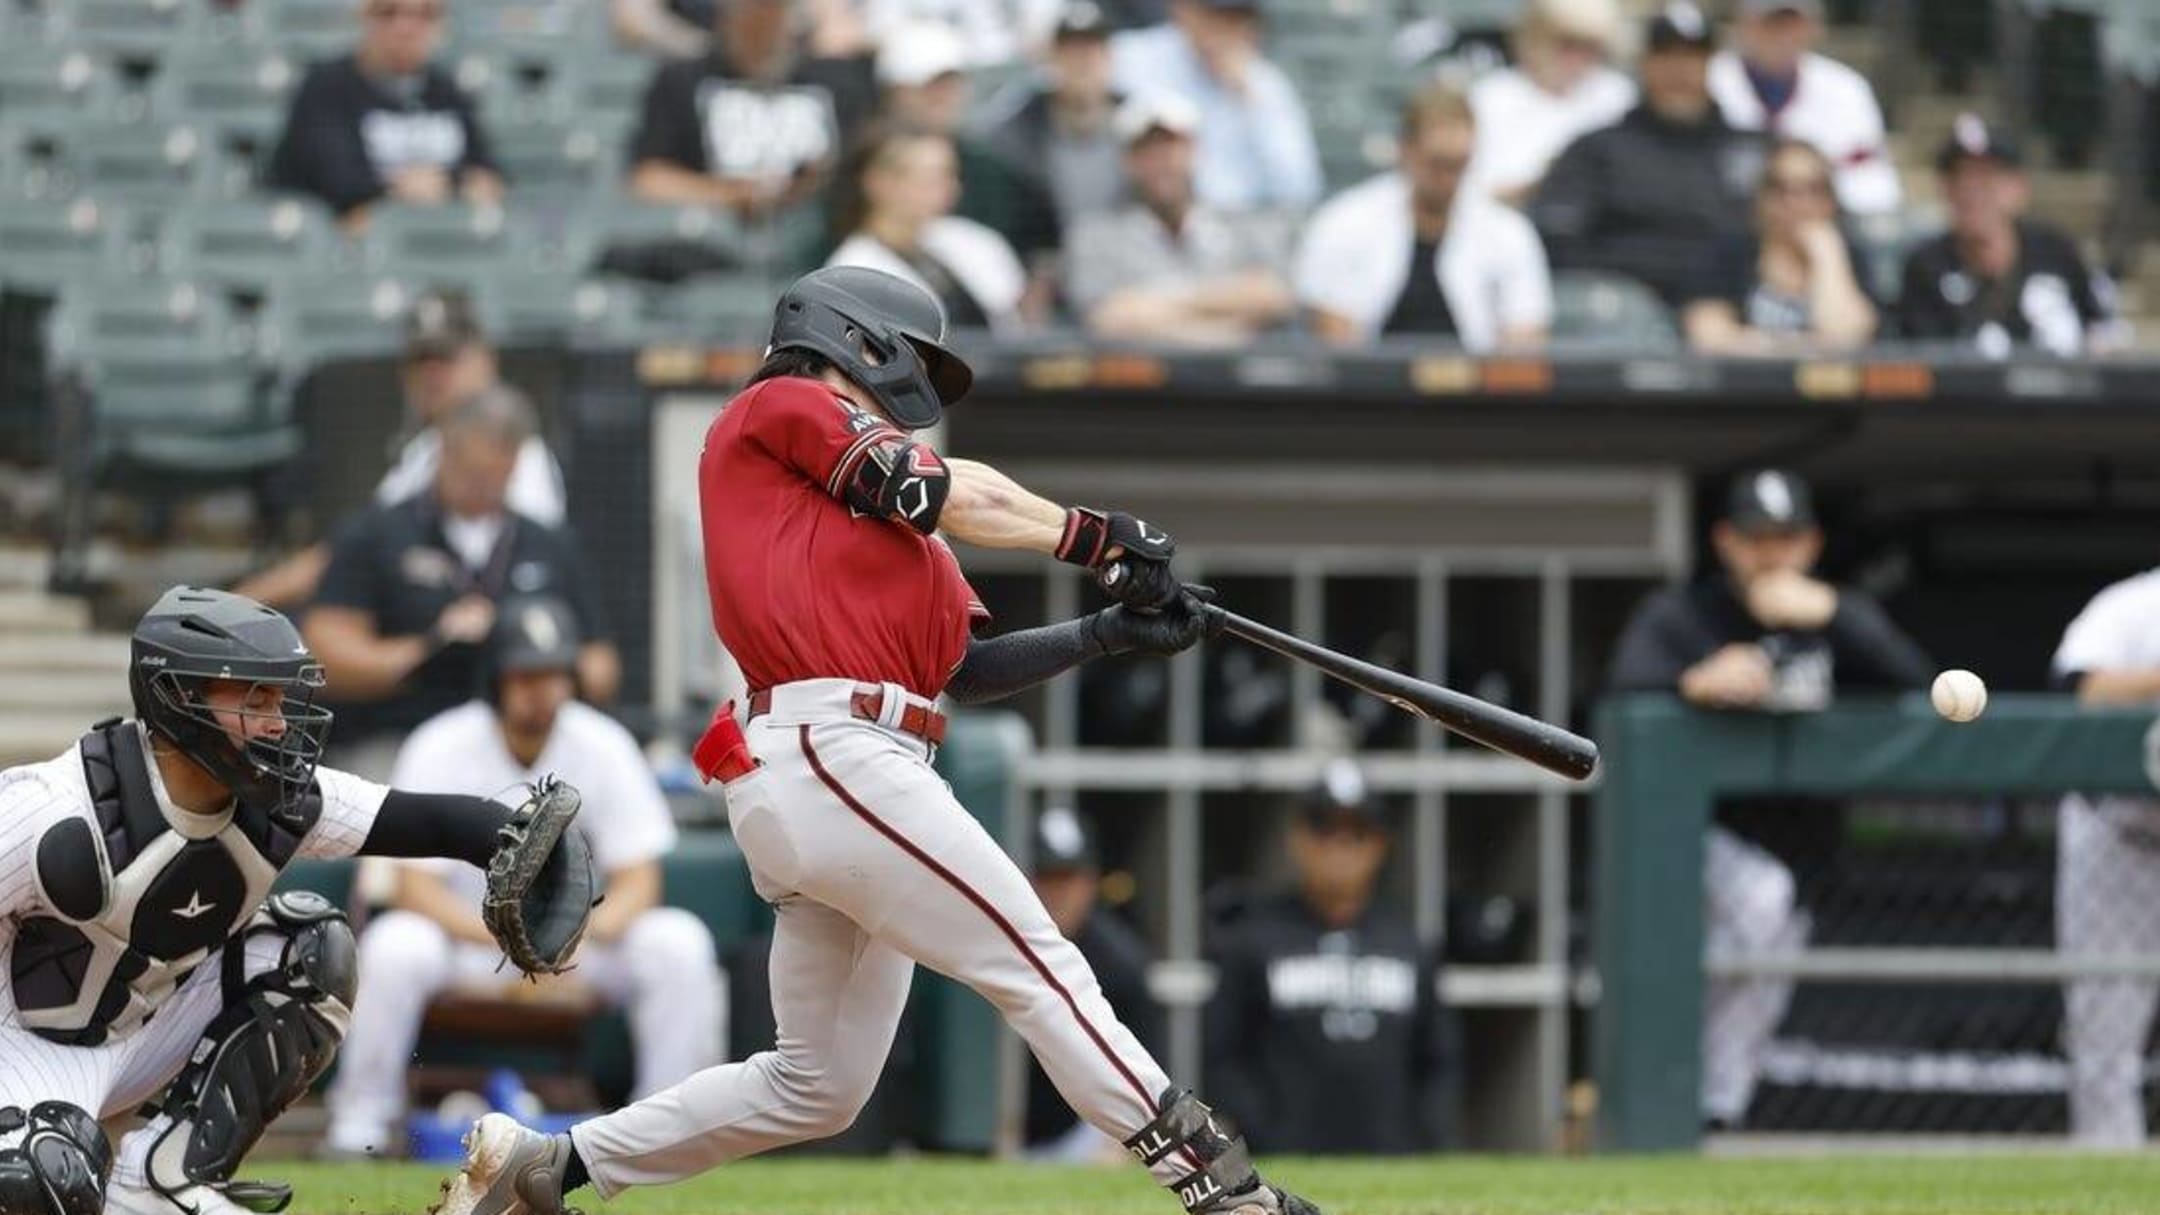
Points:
x=118, y=1076
x=2107, y=902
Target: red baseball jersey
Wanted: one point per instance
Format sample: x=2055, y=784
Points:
x=803, y=586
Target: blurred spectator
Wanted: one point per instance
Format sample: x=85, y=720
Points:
x=1068, y=878
x=448, y=359
x=1774, y=81
x=1792, y=287
x=2107, y=884
x=1997, y=279
x=1256, y=141
x=658, y=963
x=1059, y=124
x=1561, y=87
x=1413, y=252
x=1652, y=196
x=755, y=125
x=896, y=208
x=409, y=596
x=991, y=33
x=385, y=122
x=922, y=70
x=1166, y=267
x=1325, y=1031
x=683, y=29
x=1761, y=633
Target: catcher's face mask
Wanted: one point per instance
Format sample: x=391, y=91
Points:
x=273, y=729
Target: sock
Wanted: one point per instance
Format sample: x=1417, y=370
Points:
x=574, y=1174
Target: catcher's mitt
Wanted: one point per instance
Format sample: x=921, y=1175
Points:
x=540, y=883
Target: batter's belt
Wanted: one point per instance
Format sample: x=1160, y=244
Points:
x=885, y=704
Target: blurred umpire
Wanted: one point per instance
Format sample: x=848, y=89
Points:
x=1325, y=1032
x=1762, y=633
x=1068, y=876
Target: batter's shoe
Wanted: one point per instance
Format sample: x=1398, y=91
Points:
x=123, y=1199
x=508, y=1170
x=1262, y=1199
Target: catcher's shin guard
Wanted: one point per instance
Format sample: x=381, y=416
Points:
x=53, y=1160
x=1223, y=1180
x=277, y=1033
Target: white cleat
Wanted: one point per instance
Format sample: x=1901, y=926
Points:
x=194, y=1200
x=508, y=1170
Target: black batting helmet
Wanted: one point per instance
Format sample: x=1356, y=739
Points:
x=879, y=330
x=532, y=633
x=193, y=635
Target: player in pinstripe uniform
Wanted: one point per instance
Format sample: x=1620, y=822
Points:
x=144, y=957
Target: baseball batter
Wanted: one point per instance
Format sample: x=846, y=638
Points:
x=145, y=958
x=849, y=617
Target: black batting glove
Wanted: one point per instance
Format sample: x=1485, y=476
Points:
x=1091, y=535
x=1177, y=626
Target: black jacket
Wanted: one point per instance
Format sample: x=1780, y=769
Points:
x=2050, y=298
x=1650, y=199
x=347, y=132
x=1678, y=627
x=1322, y=1040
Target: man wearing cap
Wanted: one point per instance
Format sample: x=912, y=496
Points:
x=1057, y=124
x=448, y=359
x=753, y=127
x=408, y=597
x=385, y=123
x=1775, y=81
x=1997, y=279
x=1168, y=267
x=1255, y=146
x=1326, y=1022
x=1761, y=634
x=656, y=962
x=1652, y=196
x=1414, y=253
x=1067, y=874
x=1561, y=87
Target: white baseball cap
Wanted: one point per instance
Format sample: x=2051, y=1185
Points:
x=1144, y=113
x=919, y=53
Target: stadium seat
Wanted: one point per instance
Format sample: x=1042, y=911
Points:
x=237, y=92
x=715, y=308
x=1594, y=311
x=509, y=93
x=135, y=29
x=418, y=243
x=97, y=313
x=556, y=162
x=542, y=31
x=660, y=243
x=524, y=305
x=47, y=242
x=321, y=314
x=152, y=163
x=305, y=29
x=606, y=89
x=244, y=246
x=42, y=82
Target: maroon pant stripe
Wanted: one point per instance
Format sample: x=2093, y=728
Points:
x=982, y=904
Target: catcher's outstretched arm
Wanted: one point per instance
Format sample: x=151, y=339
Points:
x=436, y=824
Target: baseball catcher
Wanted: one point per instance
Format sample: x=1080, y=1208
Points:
x=150, y=967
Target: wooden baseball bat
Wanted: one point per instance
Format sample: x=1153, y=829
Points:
x=1542, y=743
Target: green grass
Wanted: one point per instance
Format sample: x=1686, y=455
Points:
x=2023, y=1184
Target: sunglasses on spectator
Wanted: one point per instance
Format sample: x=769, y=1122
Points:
x=416, y=12
x=1453, y=166
x=1797, y=187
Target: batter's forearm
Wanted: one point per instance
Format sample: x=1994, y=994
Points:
x=997, y=667
x=987, y=508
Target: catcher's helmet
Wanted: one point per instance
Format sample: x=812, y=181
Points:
x=882, y=332
x=532, y=633
x=193, y=635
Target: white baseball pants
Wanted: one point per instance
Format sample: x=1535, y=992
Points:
x=872, y=865
x=2107, y=902
x=663, y=971
x=117, y=1077
x=1750, y=906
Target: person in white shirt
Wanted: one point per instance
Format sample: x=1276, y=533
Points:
x=1561, y=86
x=1774, y=81
x=658, y=962
x=896, y=207
x=1413, y=252
x=2107, y=874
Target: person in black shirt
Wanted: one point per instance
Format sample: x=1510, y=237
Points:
x=1792, y=286
x=385, y=123
x=409, y=595
x=1068, y=877
x=1997, y=279
x=1651, y=196
x=754, y=127
x=1325, y=1031
x=1761, y=634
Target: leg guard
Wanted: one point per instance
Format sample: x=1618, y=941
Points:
x=53, y=1160
x=277, y=1034
x=1223, y=1179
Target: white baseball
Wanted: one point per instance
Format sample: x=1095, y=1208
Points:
x=1958, y=695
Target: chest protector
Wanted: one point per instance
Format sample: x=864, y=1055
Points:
x=136, y=906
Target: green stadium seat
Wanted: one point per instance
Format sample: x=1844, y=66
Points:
x=524, y=305
x=715, y=308
x=426, y=243
x=47, y=242
x=544, y=31
x=243, y=246
x=511, y=94
x=136, y=29
x=95, y=313
x=237, y=92
x=557, y=162
x=305, y=29
x=606, y=89
x=323, y=314
x=41, y=82
x=1596, y=311
x=152, y=163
